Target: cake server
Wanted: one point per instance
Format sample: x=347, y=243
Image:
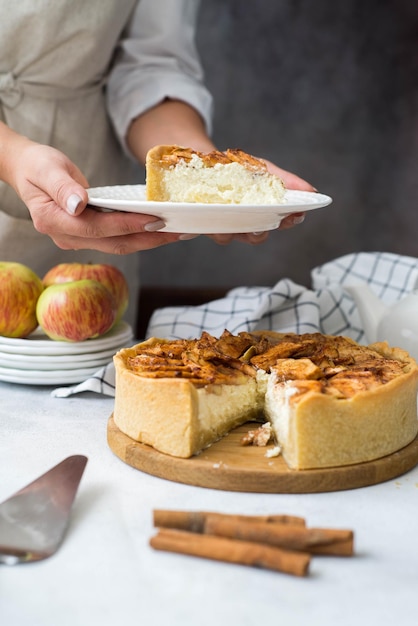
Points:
x=34, y=520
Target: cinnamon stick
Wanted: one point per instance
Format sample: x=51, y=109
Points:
x=231, y=551
x=195, y=520
x=286, y=536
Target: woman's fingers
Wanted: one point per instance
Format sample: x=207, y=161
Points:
x=291, y=181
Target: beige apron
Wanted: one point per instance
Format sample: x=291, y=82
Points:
x=54, y=57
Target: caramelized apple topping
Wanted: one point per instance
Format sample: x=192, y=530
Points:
x=172, y=158
x=296, y=369
x=202, y=361
x=314, y=362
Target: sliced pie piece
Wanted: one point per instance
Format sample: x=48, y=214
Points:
x=179, y=174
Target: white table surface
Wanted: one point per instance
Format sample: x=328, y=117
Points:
x=105, y=573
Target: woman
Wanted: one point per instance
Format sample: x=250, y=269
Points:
x=86, y=88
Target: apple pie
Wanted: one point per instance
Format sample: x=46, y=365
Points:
x=179, y=174
x=329, y=400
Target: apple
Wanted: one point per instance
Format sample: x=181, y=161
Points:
x=20, y=289
x=82, y=309
x=110, y=276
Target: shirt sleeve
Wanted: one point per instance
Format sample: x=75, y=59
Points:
x=157, y=59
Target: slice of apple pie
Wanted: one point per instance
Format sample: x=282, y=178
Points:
x=179, y=174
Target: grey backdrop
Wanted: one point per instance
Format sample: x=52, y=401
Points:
x=325, y=89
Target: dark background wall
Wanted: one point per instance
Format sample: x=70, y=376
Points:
x=328, y=90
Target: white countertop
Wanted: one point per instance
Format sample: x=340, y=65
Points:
x=105, y=573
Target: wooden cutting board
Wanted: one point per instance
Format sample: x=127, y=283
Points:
x=230, y=466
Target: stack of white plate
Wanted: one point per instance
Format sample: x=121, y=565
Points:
x=37, y=360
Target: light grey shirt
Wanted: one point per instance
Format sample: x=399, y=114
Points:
x=157, y=59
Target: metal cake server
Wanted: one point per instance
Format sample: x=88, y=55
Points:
x=34, y=520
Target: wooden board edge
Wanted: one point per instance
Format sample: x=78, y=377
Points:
x=223, y=477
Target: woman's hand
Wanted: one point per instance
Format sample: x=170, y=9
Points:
x=291, y=181
x=54, y=190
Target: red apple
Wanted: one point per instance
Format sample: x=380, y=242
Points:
x=76, y=311
x=20, y=289
x=110, y=276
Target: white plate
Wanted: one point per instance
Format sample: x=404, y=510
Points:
x=57, y=377
x=39, y=344
x=54, y=362
x=191, y=217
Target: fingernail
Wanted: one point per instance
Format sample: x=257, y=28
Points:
x=298, y=219
x=187, y=237
x=72, y=203
x=153, y=226
x=259, y=234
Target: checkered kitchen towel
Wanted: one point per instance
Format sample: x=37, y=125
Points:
x=287, y=307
